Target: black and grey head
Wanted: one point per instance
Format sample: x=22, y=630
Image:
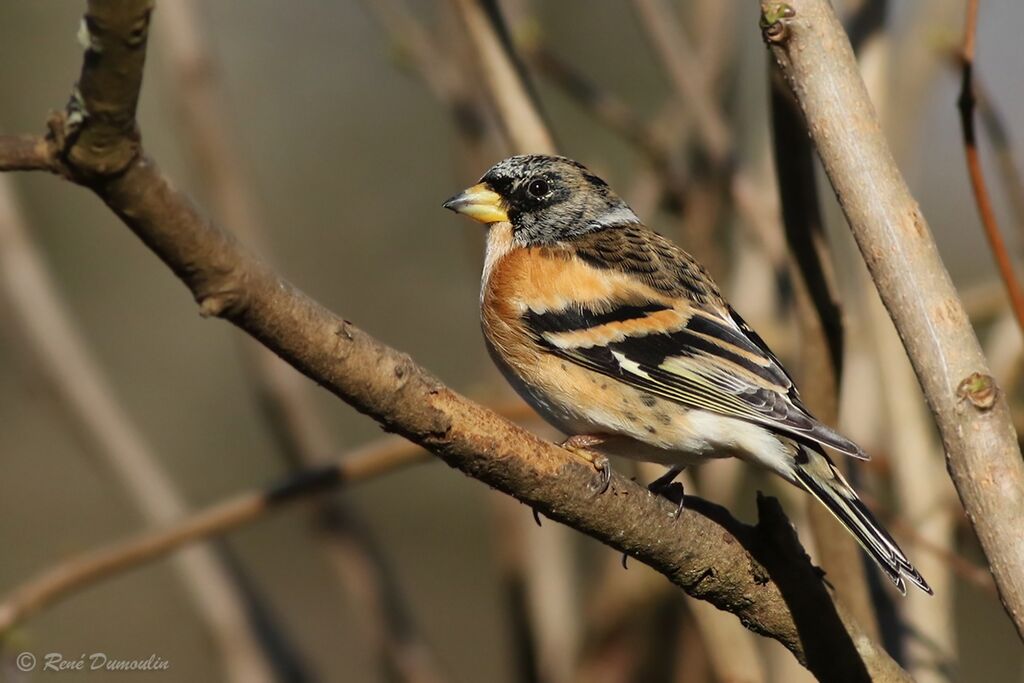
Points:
x=546, y=199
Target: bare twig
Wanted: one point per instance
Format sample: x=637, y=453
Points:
x=72, y=575
x=25, y=153
x=546, y=612
x=989, y=221
x=537, y=563
x=756, y=574
x=677, y=55
x=605, y=106
x=521, y=121
x=731, y=651
x=982, y=452
x=731, y=654
x=690, y=80
x=436, y=68
x=994, y=123
x=610, y=649
x=714, y=35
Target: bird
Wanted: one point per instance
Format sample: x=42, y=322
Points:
x=622, y=341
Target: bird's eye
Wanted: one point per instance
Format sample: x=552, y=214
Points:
x=538, y=188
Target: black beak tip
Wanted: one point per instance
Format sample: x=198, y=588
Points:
x=452, y=202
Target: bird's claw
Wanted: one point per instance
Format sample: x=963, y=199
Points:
x=681, y=505
x=604, y=474
x=667, y=486
x=580, y=445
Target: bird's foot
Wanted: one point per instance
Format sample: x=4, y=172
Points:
x=668, y=487
x=580, y=445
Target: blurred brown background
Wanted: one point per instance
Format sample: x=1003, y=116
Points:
x=350, y=157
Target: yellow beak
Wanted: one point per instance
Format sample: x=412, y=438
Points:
x=480, y=203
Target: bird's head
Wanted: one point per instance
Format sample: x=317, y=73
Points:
x=546, y=199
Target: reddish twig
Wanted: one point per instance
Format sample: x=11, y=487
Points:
x=966, y=103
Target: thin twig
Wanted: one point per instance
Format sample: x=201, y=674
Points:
x=994, y=123
x=731, y=651
x=989, y=222
x=541, y=577
x=677, y=55
x=435, y=67
x=759, y=213
x=25, y=153
x=522, y=122
x=615, y=114
x=383, y=457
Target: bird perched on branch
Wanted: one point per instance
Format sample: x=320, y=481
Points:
x=621, y=340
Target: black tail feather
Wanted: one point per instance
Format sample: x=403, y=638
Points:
x=821, y=479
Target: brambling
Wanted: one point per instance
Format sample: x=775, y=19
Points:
x=623, y=341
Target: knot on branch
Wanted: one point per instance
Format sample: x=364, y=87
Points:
x=98, y=158
x=222, y=301
x=980, y=390
x=775, y=18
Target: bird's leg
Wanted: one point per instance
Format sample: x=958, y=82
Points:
x=580, y=445
x=662, y=485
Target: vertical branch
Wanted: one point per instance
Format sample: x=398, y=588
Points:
x=989, y=221
x=926, y=504
x=983, y=456
x=999, y=135
x=732, y=653
x=677, y=55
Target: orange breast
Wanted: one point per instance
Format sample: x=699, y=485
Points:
x=551, y=279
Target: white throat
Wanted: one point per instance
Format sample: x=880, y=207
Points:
x=499, y=243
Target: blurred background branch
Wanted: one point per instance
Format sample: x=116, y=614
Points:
x=302, y=437
x=76, y=379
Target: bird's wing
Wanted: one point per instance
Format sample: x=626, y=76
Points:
x=683, y=343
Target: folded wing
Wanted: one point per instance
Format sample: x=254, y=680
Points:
x=699, y=354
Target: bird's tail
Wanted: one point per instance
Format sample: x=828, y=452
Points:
x=816, y=473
